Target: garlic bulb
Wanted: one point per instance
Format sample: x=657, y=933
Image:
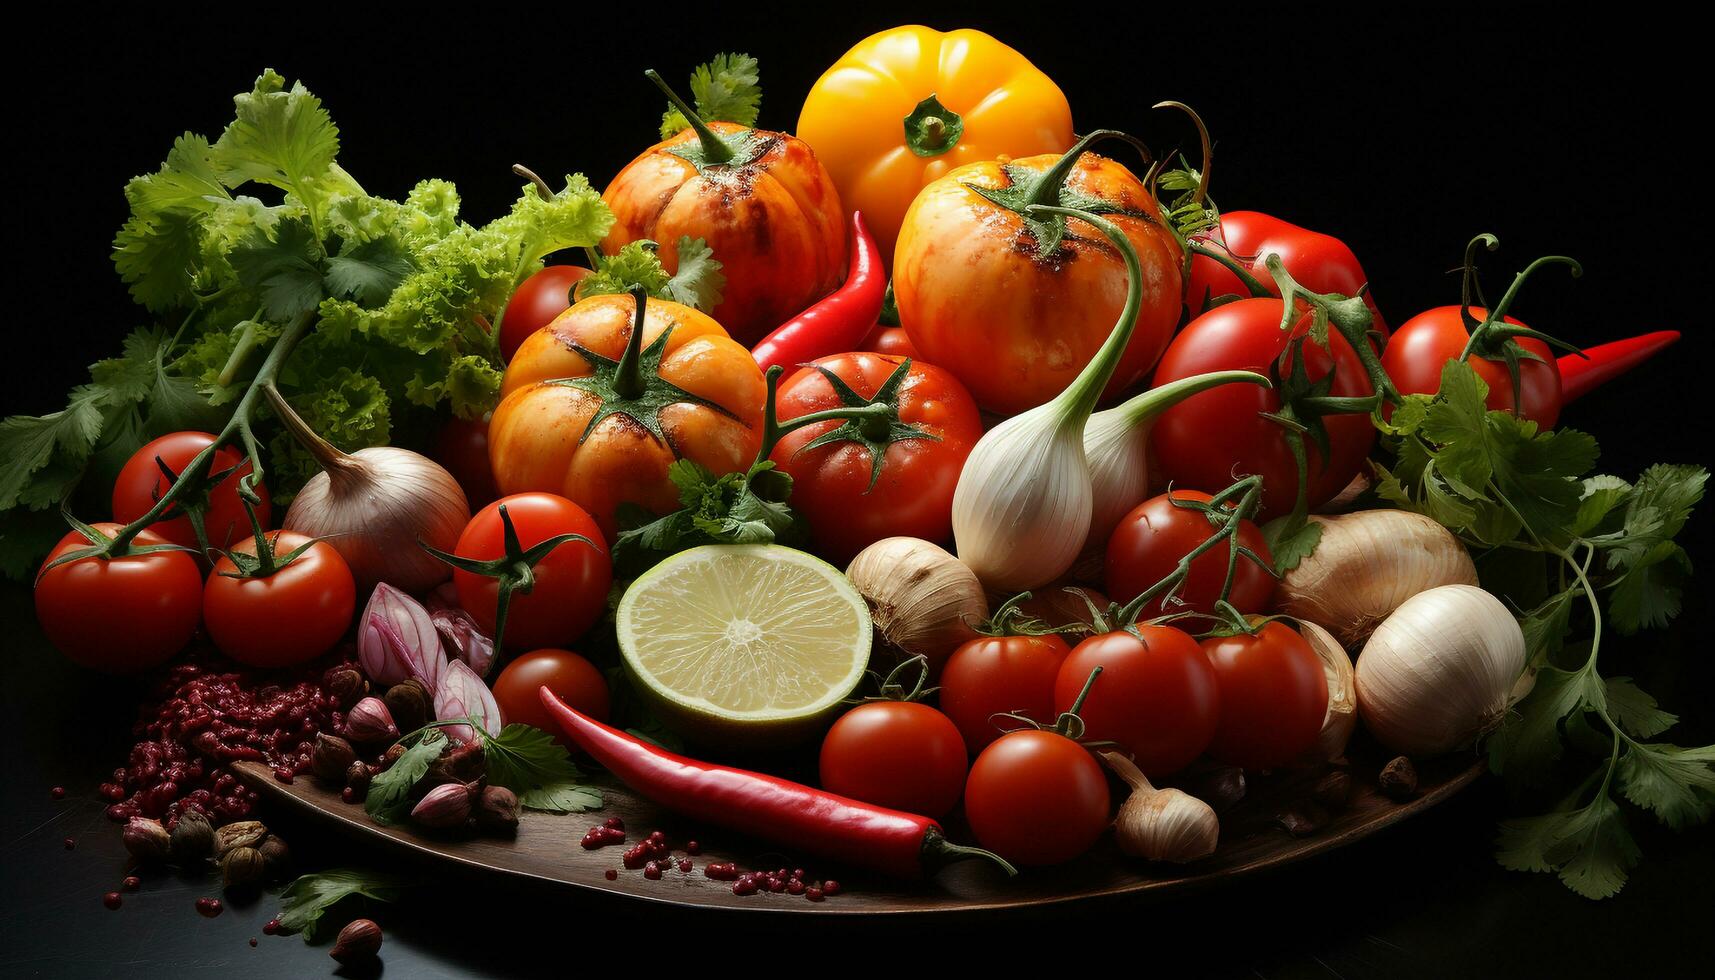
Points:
x=374, y=506
x=922, y=600
x=1342, y=714
x=1366, y=564
x=1022, y=508
x=1116, y=445
x=1442, y=670
x=1161, y=824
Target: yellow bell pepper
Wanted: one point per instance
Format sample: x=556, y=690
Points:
x=907, y=105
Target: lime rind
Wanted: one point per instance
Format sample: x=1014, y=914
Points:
x=745, y=635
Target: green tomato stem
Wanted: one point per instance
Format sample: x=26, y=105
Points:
x=714, y=151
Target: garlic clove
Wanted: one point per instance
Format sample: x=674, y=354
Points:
x=1341, y=716
x=922, y=600
x=1366, y=565
x=1161, y=824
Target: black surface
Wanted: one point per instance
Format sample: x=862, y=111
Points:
x=1403, y=132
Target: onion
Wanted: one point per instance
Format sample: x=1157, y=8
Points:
x=374, y=506
x=1442, y=670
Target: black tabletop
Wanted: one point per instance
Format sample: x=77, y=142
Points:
x=1404, y=134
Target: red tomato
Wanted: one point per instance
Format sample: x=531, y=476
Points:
x=1148, y=542
x=1036, y=798
x=889, y=340
x=141, y=483
x=1000, y=675
x=573, y=679
x=1273, y=696
x=290, y=617
x=913, y=496
x=535, y=304
x=1215, y=436
x=898, y=754
x=462, y=447
x=1426, y=342
x=1156, y=696
x=571, y=582
x=119, y=615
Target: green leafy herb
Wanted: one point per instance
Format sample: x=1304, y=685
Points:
x=734, y=508
x=231, y=241
x=305, y=901
x=389, y=798
x=698, y=283
x=725, y=89
x=1510, y=490
x=529, y=762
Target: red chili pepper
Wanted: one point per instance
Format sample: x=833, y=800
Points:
x=901, y=844
x=1322, y=263
x=839, y=321
x=1603, y=363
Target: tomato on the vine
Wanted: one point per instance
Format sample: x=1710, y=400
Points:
x=1274, y=696
x=1206, y=440
x=536, y=302
x=570, y=589
x=1011, y=670
x=1157, y=695
x=289, y=616
x=857, y=481
x=119, y=614
x=1148, y=543
x=573, y=679
x=1036, y=797
x=141, y=482
x=899, y=754
x=1425, y=343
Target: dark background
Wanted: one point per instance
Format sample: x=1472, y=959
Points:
x=1401, y=130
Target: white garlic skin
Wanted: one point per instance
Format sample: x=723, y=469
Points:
x=1161, y=824
x=1022, y=508
x=374, y=505
x=1341, y=716
x=1440, y=671
x=1117, y=449
x=921, y=599
x=1366, y=565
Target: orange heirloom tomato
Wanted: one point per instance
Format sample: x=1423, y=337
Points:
x=905, y=106
x=1015, y=306
x=595, y=409
x=761, y=201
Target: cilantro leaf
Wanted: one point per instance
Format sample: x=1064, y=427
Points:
x=529, y=762
x=1634, y=710
x=306, y=900
x=1529, y=740
x=280, y=137
x=1648, y=594
x=699, y=281
x=1676, y=784
x=724, y=89
x=283, y=267
x=1590, y=847
x=27, y=444
x=1289, y=547
x=368, y=271
x=389, y=796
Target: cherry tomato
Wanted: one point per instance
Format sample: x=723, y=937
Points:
x=462, y=447
x=1215, y=436
x=575, y=680
x=141, y=483
x=1156, y=696
x=570, y=593
x=292, y=616
x=123, y=614
x=1148, y=543
x=1274, y=696
x=535, y=304
x=898, y=754
x=1036, y=798
x=1426, y=342
x=913, y=495
x=1000, y=675
x=889, y=340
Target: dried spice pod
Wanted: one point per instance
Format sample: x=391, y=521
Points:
x=346, y=686
x=1399, y=779
x=411, y=704
x=239, y=833
x=242, y=867
x=497, y=810
x=147, y=840
x=193, y=838
x=358, y=942
x=276, y=856
x=331, y=758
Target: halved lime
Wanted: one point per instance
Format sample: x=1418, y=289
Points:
x=744, y=645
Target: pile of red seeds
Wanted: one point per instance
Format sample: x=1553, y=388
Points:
x=653, y=856
x=204, y=716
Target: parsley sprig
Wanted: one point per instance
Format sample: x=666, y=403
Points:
x=1569, y=549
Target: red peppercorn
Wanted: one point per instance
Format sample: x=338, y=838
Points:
x=652, y=871
x=208, y=908
x=57, y=793
x=131, y=883
x=614, y=823
x=813, y=893
x=610, y=874
x=744, y=886
x=252, y=942
x=830, y=887
x=112, y=900
x=795, y=887
x=70, y=843
x=271, y=927
x=685, y=864
x=692, y=847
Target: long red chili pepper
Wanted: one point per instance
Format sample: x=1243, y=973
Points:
x=839, y=321
x=1605, y=362
x=901, y=844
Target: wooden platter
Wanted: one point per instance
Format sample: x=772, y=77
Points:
x=547, y=848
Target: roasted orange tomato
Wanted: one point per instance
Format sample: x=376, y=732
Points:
x=1016, y=305
x=761, y=201
x=904, y=106
x=596, y=405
